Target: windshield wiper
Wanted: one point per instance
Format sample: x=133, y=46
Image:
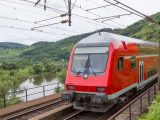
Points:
x=79, y=72
x=92, y=70
x=88, y=65
x=87, y=62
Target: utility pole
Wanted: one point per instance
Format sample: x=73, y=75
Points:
x=69, y=12
x=69, y=8
x=159, y=59
x=45, y=1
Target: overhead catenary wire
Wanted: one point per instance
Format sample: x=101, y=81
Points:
x=97, y=14
x=104, y=6
x=65, y=4
x=114, y=16
x=93, y=22
x=73, y=14
x=116, y=11
x=63, y=21
x=115, y=4
x=21, y=20
x=37, y=2
x=123, y=8
x=45, y=1
x=109, y=19
x=26, y=29
x=87, y=18
x=55, y=9
x=62, y=15
x=79, y=17
x=29, y=11
x=58, y=10
x=90, y=19
x=84, y=17
x=74, y=4
x=147, y=17
x=16, y=19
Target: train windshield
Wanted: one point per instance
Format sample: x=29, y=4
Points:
x=95, y=63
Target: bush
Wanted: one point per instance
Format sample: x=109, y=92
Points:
x=50, y=67
x=9, y=66
x=62, y=76
x=38, y=68
x=154, y=111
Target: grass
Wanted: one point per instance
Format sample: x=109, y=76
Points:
x=154, y=110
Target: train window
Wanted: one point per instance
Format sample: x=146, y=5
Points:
x=133, y=62
x=95, y=63
x=120, y=63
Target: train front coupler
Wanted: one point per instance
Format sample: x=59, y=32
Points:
x=68, y=96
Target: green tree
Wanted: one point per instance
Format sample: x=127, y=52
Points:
x=50, y=67
x=62, y=76
x=9, y=66
x=38, y=68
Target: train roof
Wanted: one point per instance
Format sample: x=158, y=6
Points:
x=103, y=38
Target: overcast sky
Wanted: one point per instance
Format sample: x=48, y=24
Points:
x=23, y=15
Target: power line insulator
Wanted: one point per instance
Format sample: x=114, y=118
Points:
x=63, y=15
x=64, y=21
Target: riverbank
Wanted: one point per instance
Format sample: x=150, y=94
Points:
x=49, y=80
x=11, y=79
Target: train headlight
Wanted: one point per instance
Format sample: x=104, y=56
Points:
x=70, y=87
x=85, y=76
x=100, y=89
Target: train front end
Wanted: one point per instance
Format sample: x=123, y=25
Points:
x=87, y=75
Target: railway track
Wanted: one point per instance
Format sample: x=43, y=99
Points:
x=81, y=115
x=117, y=109
x=30, y=112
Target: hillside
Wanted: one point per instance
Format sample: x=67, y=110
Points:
x=55, y=50
x=11, y=50
x=61, y=49
x=9, y=45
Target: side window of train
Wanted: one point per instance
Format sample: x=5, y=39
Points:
x=133, y=62
x=120, y=63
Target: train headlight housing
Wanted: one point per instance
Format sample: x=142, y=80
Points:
x=85, y=76
x=100, y=89
x=70, y=87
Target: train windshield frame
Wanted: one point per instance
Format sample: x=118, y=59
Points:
x=95, y=62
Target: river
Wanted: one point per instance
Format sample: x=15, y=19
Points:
x=49, y=81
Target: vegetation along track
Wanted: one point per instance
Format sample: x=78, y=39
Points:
x=30, y=112
x=85, y=115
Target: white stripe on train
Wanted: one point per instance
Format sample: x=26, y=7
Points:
x=140, y=56
x=117, y=94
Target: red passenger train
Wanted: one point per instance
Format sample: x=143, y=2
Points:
x=105, y=68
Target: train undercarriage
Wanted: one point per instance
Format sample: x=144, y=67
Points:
x=97, y=102
x=89, y=102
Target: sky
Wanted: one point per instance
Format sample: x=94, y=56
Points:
x=25, y=16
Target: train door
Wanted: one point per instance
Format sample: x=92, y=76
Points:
x=141, y=71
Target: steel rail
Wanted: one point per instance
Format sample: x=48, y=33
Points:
x=73, y=115
x=32, y=109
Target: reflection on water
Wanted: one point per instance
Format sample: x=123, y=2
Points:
x=50, y=77
x=39, y=81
